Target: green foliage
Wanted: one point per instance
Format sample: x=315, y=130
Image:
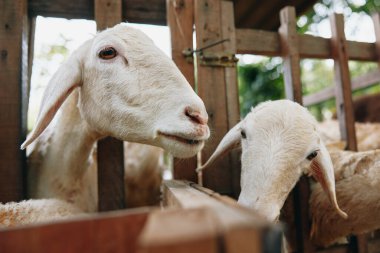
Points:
x=263, y=81
x=258, y=83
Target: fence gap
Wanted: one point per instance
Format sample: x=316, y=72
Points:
x=110, y=151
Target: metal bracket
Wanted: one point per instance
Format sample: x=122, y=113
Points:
x=218, y=59
x=214, y=59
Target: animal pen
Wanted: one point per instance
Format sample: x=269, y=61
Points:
x=194, y=218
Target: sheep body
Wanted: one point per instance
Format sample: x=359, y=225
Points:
x=33, y=211
x=357, y=187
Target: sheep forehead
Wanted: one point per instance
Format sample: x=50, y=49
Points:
x=282, y=118
x=126, y=33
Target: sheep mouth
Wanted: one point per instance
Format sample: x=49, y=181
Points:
x=181, y=139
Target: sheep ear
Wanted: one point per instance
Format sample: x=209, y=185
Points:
x=63, y=82
x=322, y=170
x=230, y=141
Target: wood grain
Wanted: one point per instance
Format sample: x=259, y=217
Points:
x=13, y=88
x=180, y=18
x=212, y=89
x=111, y=232
x=290, y=54
x=232, y=94
x=267, y=43
x=110, y=151
x=342, y=82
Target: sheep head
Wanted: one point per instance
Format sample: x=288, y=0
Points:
x=130, y=90
x=279, y=143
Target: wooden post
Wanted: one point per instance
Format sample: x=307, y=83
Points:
x=343, y=94
x=212, y=89
x=290, y=54
x=180, y=16
x=110, y=151
x=376, y=26
x=232, y=94
x=298, y=201
x=13, y=97
x=342, y=82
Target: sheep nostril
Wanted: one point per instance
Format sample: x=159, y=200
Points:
x=195, y=116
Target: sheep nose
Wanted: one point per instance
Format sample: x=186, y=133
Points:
x=196, y=116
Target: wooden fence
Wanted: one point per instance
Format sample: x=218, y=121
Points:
x=216, y=84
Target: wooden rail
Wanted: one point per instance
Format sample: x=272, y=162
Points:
x=194, y=219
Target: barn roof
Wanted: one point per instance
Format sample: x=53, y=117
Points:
x=248, y=13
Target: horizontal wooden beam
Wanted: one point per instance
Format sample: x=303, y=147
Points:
x=357, y=83
x=110, y=232
x=134, y=11
x=241, y=229
x=267, y=43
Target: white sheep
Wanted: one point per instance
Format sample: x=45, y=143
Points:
x=117, y=84
x=279, y=143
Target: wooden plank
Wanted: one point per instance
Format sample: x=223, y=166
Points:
x=13, y=79
x=342, y=82
x=147, y=12
x=290, y=54
x=212, y=89
x=360, y=82
x=108, y=232
x=376, y=26
x=186, y=231
x=107, y=13
x=267, y=43
x=232, y=96
x=240, y=228
x=180, y=18
x=110, y=151
x=343, y=94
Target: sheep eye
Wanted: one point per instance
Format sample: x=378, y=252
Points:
x=312, y=155
x=108, y=53
x=243, y=135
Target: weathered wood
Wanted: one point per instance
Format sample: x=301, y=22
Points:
x=212, y=89
x=180, y=16
x=13, y=86
x=137, y=11
x=108, y=232
x=342, y=82
x=185, y=231
x=376, y=26
x=290, y=54
x=267, y=43
x=240, y=229
x=360, y=82
x=107, y=13
x=343, y=94
x=230, y=76
x=110, y=151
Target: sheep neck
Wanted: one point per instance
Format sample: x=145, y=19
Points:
x=60, y=163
